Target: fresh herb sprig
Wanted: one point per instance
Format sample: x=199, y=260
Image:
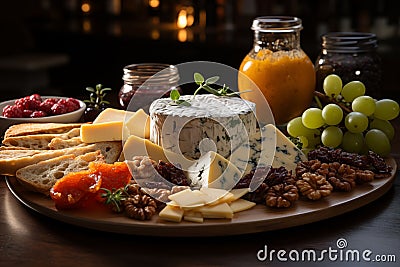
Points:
x=206, y=85
x=175, y=97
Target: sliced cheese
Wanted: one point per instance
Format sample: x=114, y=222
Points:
x=216, y=211
x=241, y=205
x=193, y=216
x=139, y=124
x=238, y=193
x=136, y=146
x=171, y=213
x=112, y=114
x=213, y=170
x=187, y=198
x=101, y=132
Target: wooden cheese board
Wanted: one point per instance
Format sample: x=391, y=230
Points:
x=258, y=219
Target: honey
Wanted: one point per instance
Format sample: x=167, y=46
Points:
x=279, y=68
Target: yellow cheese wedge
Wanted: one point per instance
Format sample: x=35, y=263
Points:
x=136, y=146
x=192, y=216
x=112, y=114
x=241, y=205
x=171, y=213
x=187, y=198
x=216, y=211
x=100, y=132
x=212, y=195
x=238, y=193
x=139, y=124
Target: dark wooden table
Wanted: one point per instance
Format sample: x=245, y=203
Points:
x=30, y=239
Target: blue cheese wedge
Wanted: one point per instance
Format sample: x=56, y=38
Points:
x=223, y=121
x=214, y=171
x=268, y=147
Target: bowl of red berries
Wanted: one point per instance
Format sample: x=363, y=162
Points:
x=36, y=108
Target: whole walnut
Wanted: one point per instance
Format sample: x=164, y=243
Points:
x=314, y=186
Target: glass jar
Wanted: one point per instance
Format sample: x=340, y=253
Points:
x=351, y=55
x=279, y=67
x=147, y=82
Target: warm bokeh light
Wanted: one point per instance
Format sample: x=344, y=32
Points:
x=154, y=3
x=182, y=19
x=87, y=26
x=155, y=34
x=190, y=20
x=182, y=35
x=85, y=7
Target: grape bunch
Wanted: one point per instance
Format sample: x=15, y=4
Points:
x=350, y=120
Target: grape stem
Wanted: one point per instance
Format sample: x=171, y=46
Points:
x=328, y=100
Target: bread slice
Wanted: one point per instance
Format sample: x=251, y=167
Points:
x=38, y=141
x=111, y=150
x=12, y=160
x=60, y=143
x=35, y=141
x=42, y=176
x=39, y=128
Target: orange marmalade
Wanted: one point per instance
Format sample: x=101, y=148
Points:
x=285, y=78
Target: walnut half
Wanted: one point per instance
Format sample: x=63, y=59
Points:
x=314, y=186
x=281, y=195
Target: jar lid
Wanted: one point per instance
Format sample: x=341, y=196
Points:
x=277, y=24
x=349, y=42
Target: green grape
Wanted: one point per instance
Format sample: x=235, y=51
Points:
x=384, y=126
x=386, y=109
x=332, y=85
x=356, y=122
x=303, y=140
x=353, y=90
x=353, y=142
x=296, y=128
x=364, y=104
x=332, y=114
x=378, y=142
x=332, y=136
x=312, y=118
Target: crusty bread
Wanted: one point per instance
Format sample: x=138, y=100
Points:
x=35, y=141
x=60, y=143
x=39, y=128
x=12, y=160
x=13, y=148
x=111, y=150
x=38, y=141
x=42, y=176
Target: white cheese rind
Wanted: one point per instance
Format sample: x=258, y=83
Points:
x=227, y=121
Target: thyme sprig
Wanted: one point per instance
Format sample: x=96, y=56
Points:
x=204, y=84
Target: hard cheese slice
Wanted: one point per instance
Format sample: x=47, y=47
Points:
x=241, y=205
x=171, y=213
x=213, y=170
x=101, y=132
x=136, y=146
x=139, y=124
x=112, y=114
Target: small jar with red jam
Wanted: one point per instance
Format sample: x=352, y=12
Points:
x=351, y=55
x=146, y=82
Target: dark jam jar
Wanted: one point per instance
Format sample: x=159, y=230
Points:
x=353, y=56
x=145, y=82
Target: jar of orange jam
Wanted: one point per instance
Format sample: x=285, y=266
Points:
x=277, y=65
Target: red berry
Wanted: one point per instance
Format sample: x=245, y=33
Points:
x=12, y=111
x=26, y=113
x=72, y=104
x=38, y=114
x=47, y=104
x=59, y=108
x=36, y=97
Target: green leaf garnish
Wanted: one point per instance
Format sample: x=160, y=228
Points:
x=198, y=78
x=212, y=80
x=175, y=95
